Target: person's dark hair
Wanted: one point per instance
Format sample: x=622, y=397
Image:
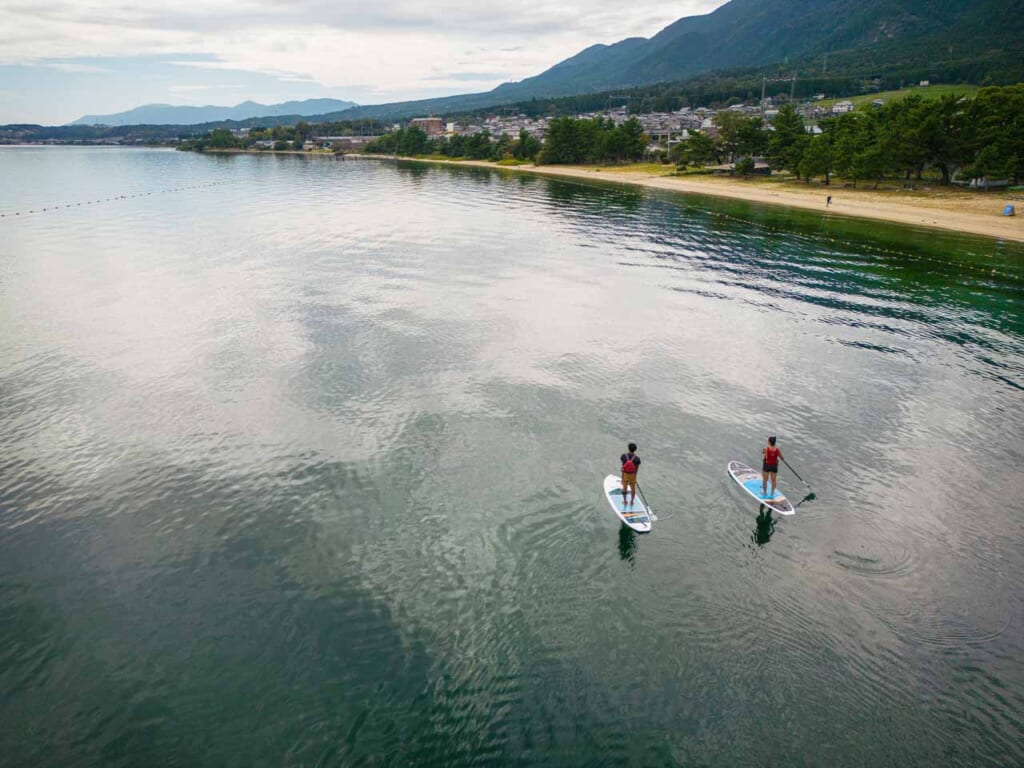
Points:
x=771, y=440
x=632, y=447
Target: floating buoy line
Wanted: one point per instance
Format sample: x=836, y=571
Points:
x=61, y=206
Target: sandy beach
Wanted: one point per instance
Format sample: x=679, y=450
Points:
x=959, y=210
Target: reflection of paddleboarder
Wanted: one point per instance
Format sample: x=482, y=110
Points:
x=770, y=468
x=630, y=466
x=765, y=526
x=627, y=544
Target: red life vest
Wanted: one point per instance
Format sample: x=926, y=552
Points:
x=628, y=467
x=771, y=456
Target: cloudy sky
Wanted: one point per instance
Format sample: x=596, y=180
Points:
x=60, y=59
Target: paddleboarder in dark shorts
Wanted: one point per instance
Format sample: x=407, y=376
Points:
x=770, y=468
x=630, y=466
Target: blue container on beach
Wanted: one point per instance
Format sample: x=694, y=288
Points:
x=1009, y=211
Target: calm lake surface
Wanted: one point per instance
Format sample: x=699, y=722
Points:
x=301, y=466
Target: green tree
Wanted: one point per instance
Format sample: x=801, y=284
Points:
x=527, y=147
x=411, y=141
x=728, y=124
x=571, y=141
x=751, y=137
x=817, y=159
x=699, y=150
x=946, y=135
x=302, y=131
x=502, y=148
x=846, y=140
x=479, y=146
x=745, y=166
x=221, y=139
x=786, y=145
x=998, y=117
x=902, y=121
x=631, y=140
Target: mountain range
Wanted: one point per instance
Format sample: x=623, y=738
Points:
x=745, y=33
x=973, y=41
x=168, y=114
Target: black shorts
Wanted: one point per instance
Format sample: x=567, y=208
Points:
x=770, y=468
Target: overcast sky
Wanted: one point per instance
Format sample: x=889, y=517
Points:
x=60, y=59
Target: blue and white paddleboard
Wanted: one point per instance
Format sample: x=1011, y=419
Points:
x=636, y=514
x=749, y=479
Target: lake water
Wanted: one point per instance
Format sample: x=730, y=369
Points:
x=302, y=458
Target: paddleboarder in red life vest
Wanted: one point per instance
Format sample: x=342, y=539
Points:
x=770, y=468
x=630, y=466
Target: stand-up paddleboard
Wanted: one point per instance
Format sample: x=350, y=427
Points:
x=749, y=479
x=636, y=514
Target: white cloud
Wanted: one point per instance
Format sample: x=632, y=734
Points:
x=388, y=49
x=74, y=67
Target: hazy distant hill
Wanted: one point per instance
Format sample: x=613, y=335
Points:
x=167, y=114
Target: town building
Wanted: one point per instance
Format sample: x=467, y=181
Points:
x=432, y=126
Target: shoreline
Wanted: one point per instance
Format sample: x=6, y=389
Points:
x=948, y=209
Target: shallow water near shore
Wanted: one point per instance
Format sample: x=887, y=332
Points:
x=302, y=465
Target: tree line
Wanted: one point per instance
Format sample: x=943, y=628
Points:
x=279, y=137
x=412, y=142
x=980, y=137
x=569, y=140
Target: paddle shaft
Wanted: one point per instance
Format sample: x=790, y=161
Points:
x=640, y=493
x=647, y=504
x=795, y=473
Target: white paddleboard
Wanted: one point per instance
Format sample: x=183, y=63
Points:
x=636, y=514
x=749, y=479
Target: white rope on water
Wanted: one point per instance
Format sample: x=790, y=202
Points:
x=60, y=206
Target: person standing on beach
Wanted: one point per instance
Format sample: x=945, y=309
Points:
x=630, y=466
x=770, y=467
x=828, y=201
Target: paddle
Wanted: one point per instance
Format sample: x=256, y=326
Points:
x=809, y=497
x=654, y=517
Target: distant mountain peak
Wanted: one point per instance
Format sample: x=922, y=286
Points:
x=168, y=114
